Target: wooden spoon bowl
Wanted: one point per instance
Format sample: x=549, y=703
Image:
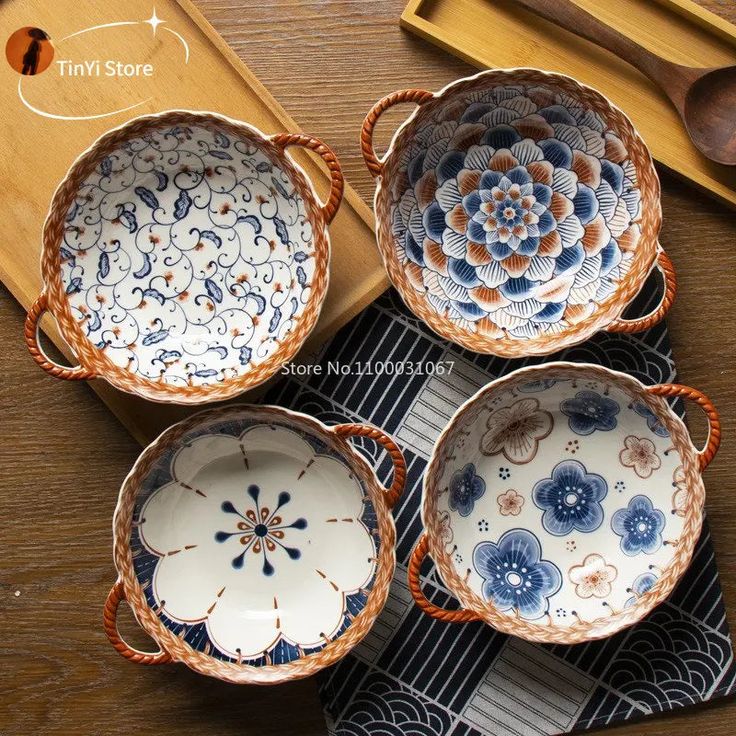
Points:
x=704, y=98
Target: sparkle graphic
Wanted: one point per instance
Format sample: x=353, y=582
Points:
x=154, y=21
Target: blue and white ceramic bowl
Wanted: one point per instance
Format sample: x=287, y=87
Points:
x=254, y=544
x=518, y=212
x=563, y=502
x=185, y=257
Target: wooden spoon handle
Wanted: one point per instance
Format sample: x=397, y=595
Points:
x=573, y=18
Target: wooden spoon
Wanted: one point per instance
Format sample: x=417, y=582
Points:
x=705, y=98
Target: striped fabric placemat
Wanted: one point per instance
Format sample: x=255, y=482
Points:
x=415, y=676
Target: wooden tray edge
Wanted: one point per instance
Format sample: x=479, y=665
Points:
x=412, y=20
x=130, y=409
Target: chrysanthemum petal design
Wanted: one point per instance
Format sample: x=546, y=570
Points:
x=515, y=576
x=226, y=549
x=515, y=211
x=640, y=526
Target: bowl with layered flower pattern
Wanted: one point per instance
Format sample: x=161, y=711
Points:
x=185, y=257
x=562, y=502
x=254, y=544
x=518, y=212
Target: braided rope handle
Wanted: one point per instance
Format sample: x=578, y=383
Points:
x=337, y=181
x=30, y=332
x=665, y=267
x=397, y=457
x=460, y=616
x=713, y=441
x=374, y=164
x=109, y=618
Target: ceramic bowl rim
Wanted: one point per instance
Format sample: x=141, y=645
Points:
x=93, y=358
x=602, y=627
x=180, y=650
x=612, y=307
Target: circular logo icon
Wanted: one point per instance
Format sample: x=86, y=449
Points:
x=29, y=50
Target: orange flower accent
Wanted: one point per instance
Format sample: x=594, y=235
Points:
x=640, y=454
x=516, y=431
x=593, y=578
x=680, y=496
x=510, y=503
x=446, y=533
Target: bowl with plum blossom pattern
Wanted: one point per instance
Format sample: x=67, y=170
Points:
x=562, y=502
x=185, y=257
x=518, y=212
x=254, y=544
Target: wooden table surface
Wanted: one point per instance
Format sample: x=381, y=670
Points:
x=63, y=455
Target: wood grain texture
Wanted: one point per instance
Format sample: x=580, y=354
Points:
x=677, y=32
x=215, y=80
x=63, y=455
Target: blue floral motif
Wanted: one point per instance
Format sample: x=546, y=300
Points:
x=570, y=499
x=533, y=387
x=653, y=421
x=640, y=527
x=642, y=584
x=176, y=246
x=277, y=547
x=509, y=215
x=514, y=574
x=260, y=530
x=588, y=411
x=465, y=489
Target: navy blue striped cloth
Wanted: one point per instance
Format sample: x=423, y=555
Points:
x=415, y=676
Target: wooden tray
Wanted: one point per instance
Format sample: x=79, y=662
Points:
x=38, y=151
x=497, y=33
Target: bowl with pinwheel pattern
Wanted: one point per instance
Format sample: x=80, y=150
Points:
x=185, y=257
x=518, y=212
x=562, y=502
x=254, y=544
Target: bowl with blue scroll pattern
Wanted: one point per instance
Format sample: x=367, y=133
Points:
x=563, y=502
x=185, y=257
x=254, y=544
x=518, y=212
